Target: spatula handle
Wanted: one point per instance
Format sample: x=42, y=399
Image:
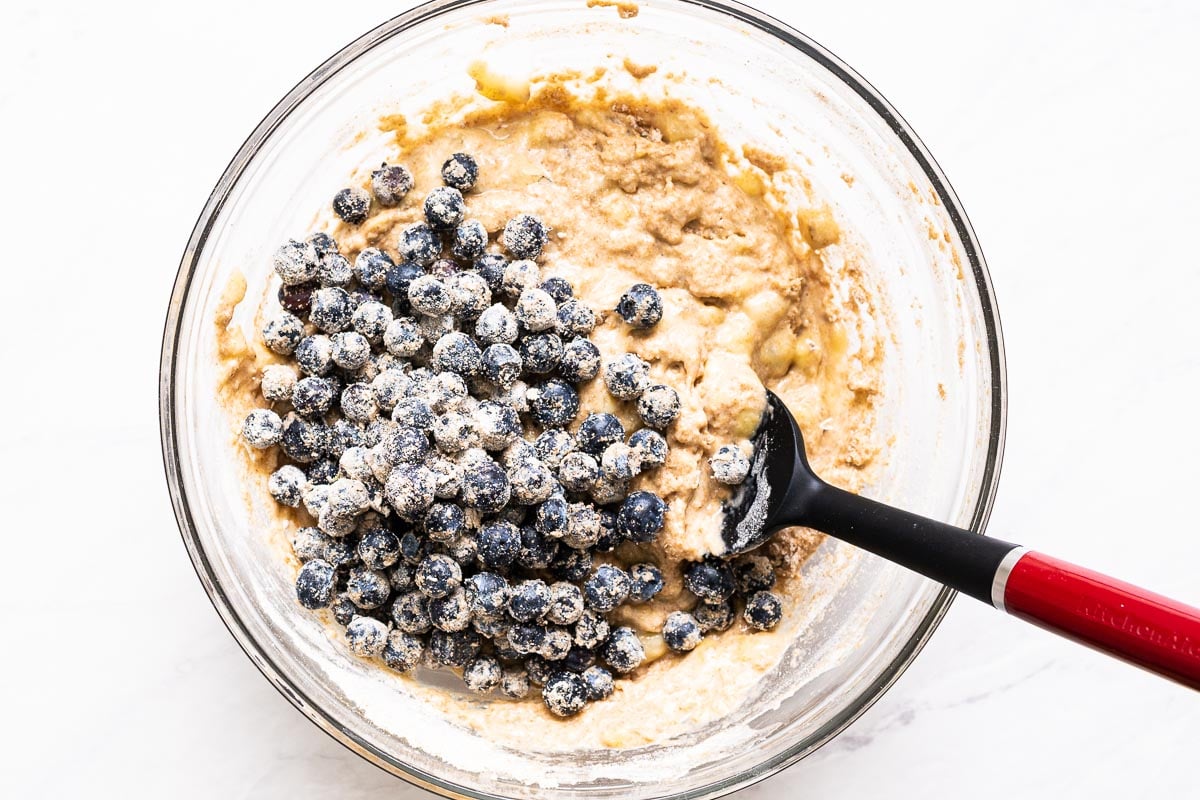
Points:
x=1141, y=627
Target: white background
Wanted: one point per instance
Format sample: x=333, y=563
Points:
x=1070, y=132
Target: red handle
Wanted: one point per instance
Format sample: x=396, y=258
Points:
x=1141, y=627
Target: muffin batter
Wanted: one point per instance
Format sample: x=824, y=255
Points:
x=638, y=191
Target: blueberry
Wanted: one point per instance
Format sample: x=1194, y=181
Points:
x=496, y=325
x=658, y=406
x=419, y=243
x=456, y=648
x=366, y=637
x=554, y=404
x=681, y=631
x=537, y=551
x=763, y=611
x=410, y=613
x=583, y=526
x=487, y=594
x=609, y=536
x=437, y=575
x=412, y=549
x=414, y=412
x=491, y=268
x=526, y=637
x=729, y=465
x=565, y=693
x=455, y=432
x=498, y=425
x=557, y=288
x=444, y=207
x=575, y=319
x=626, y=376
x=578, y=471
x=709, y=580
x=314, y=584
x=598, y=431
x=340, y=553
x=552, y=517
x=486, y=488
x=334, y=270
x=566, y=603
x=296, y=263
x=379, y=549
x=447, y=477
x=402, y=337
x=352, y=205
x=401, y=577
x=713, y=616
x=309, y=543
x=525, y=235
x=623, y=651
x=323, y=471
x=640, y=517
x=539, y=670
x=358, y=403
x=514, y=683
x=372, y=267
x=456, y=352
x=571, y=564
x=409, y=490
x=331, y=310
x=368, y=588
x=312, y=397
x=450, y=613
x=398, y=279
x=541, y=352
x=599, y=682
x=529, y=601
x=557, y=644
x=607, y=588
x=460, y=171
x=495, y=628
x=445, y=391
x=262, y=428
x=284, y=332
x=403, y=651
x=591, y=630
x=499, y=543
x=579, y=659
x=443, y=522
x=469, y=295
x=618, y=462
x=519, y=276
x=753, y=573
x=343, y=610
x=464, y=549
x=342, y=436
x=535, y=310
x=371, y=319
x=402, y=444
x=390, y=184
x=640, y=306
x=645, y=581
x=552, y=444
x=351, y=350
x=429, y=296
x=482, y=674
x=501, y=364
x=649, y=447
x=580, y=361
x=322, y=244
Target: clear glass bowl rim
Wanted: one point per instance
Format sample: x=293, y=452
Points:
x=233, y=172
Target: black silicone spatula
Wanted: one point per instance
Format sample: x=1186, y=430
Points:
x=782, y=491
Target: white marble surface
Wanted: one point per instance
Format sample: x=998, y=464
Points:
x=1069, y=130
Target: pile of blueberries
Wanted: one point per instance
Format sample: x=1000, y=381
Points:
x=425, y=428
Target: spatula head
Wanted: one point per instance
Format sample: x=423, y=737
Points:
x=753, y=513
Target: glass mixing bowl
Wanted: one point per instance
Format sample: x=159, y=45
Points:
x=762, y=82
